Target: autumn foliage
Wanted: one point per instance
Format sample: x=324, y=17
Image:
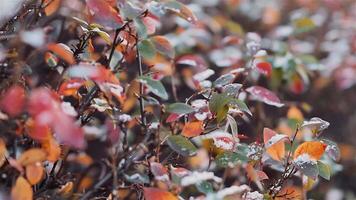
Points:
x=163, y=100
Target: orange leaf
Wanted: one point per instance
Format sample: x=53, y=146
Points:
x=34, y=173
x=192, y=129
x=51, y=6
x=295, y=113
x=151, y=193
x=315, y=149
x=274, y=144
x=32, y=156
x=3, y=152
x=52, y=149
x=21, y=190
x=62, y=51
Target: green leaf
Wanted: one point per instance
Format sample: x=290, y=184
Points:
x=179, y=108
x=205, y=187
x=146, y=49
x=237, y=103
x=140, y=28
x=156, y=87
x=324, y=170
x=230, y=159
x=224, y=80
x=218, y=104
x=181, y=10
x=181, y=145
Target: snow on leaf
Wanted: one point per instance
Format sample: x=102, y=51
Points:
x=230, y=159
x=198, y=177
x=332, y=150
x=274, y=144
x=224, y=80
x=315, y=149
x=264, y=95
x=181, y=10
x=307, y=165
x=315, y=124
x=201, y=76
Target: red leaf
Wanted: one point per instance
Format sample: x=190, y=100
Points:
x=13, y=100
x=44, y=107
x=264, y=95
x=264, y=68
x=173, y=117
x=103, y=13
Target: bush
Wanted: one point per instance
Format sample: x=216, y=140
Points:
x=166, y=99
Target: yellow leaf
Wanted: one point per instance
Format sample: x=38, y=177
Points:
x=34, y=173
x=21, y=190
x=52, y=149
x=3, y=152
x=315, y=149
x=32, y=156
x=151, y=193
x=51, y=6
x=295, y=113
x=192, y=129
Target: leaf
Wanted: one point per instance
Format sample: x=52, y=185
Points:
x=181, y=145
x=34, y=173
x=52, y=149
x=104, y=35
x=3, y=152
x=274, y=144
x=63, y=51
x=295, y=113
x=21, y=190
x=315, y=149
x=315, y=124
x=233, y=125
x=303, y=24
x=51, y=6
x=224, y=80
x=104, y=14
x=192, y=129
x=179, y=108
x=264, y=68
x=13, y=100
x=146, y=49
x=264, y=95
x=324, y=170
x=151, y=193
x=230, y=159
x=163, y=46
x=218, y=105
x=141, y=28
x=307, y=165
x=332, y=150
x=159, y=171
x=237, y=103
x=204, y=187
x=32, y=156
x=156, y=87
x=181, y=10
x=232, y=89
